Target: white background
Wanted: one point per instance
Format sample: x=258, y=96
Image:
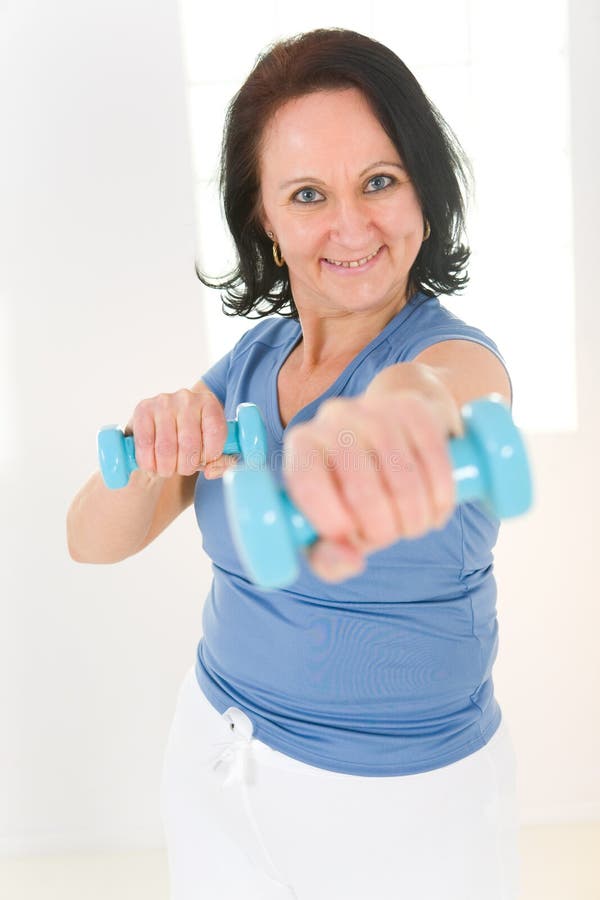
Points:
x=100, y=307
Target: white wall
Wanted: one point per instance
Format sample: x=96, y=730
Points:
x=100, y=307
x=98, y=289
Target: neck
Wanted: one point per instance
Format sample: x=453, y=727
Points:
x=330, y=337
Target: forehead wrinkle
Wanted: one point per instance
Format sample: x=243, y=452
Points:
x=300, y=161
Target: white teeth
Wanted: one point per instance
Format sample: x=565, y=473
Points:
x=354, y=263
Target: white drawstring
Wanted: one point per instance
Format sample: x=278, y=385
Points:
x=238, y=754
x=239, y=769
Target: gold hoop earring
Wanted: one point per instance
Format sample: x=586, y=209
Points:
x=427, y=230
x=279, y=260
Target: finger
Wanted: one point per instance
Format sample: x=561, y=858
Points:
x=165, y=444
x=403, y=494
x=144, y=436
x=189, y=438
x=356, y=465
x=430, y=446
x=335, y=560
x=217, y=467
x=311, y=484
x=352, y=435
x=420, y=449
x=214, y=429
x=406, y=482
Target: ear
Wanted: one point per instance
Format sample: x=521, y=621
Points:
x=263, y=219
x=266, y=225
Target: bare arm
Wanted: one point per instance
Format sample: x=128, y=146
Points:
x=106, y=526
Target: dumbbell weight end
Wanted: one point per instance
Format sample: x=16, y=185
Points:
x=489, y=463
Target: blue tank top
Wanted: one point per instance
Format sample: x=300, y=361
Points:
x=388, y=672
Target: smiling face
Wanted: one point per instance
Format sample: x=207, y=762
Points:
x=340, y=204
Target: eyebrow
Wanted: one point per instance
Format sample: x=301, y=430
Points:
x=314, y=180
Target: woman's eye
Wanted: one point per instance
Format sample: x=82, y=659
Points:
x=379, y=181
x=306, y=195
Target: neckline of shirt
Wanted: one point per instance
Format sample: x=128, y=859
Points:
x=335, y=388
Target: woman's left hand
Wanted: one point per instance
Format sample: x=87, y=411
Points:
x=370, y=470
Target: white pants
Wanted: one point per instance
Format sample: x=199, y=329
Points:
x=245, y=821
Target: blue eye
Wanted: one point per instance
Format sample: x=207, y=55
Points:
x=306, y=199
x=380, y=179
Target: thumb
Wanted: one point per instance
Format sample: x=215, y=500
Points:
x=217, y=467
x=335, y=560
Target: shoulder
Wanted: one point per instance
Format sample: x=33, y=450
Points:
x=270, y=332
x=430, y=322
x=430, y=312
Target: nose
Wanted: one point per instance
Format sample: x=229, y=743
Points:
x=351, y=224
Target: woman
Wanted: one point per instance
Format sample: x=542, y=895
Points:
x=339, y=738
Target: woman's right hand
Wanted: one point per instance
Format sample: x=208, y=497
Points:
x=180, y=433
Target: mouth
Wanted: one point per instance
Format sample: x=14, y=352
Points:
x=353, y=265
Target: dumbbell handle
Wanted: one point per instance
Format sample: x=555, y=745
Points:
x=246, y=435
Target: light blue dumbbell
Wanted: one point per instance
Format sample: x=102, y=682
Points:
x=489, y=463
x=246, y=435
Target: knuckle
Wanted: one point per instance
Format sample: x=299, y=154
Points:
x=143, y=410
x=186, y=398
x=163, y=400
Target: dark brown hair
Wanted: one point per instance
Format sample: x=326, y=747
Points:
x=326, y=59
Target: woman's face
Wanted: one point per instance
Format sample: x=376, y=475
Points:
x=334, y=191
